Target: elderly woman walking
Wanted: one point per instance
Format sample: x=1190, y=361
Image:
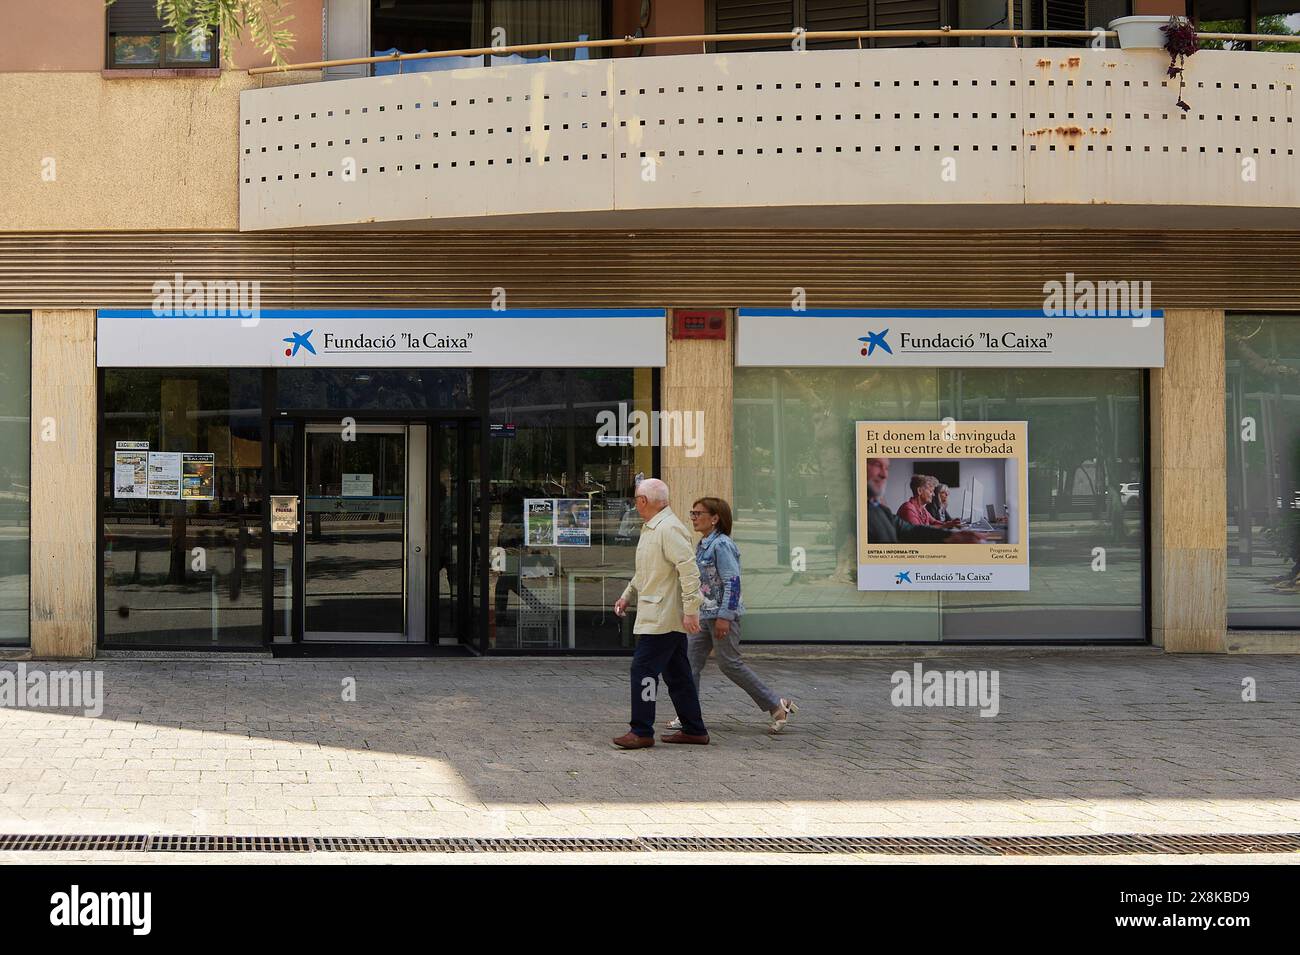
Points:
x=721, y=610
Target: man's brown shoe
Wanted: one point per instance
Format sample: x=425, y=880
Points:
x=632, y=741
x=680, y=737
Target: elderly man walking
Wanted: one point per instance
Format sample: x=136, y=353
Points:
x=666, y=588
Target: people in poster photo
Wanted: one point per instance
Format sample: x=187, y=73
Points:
x=573, y=522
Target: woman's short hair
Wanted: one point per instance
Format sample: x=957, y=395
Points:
x=941, y=489
x=719, y=509
x=919, y=481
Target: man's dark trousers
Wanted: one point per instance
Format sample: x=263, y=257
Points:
x=664, y=653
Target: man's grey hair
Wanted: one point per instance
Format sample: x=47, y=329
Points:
x=654, y=490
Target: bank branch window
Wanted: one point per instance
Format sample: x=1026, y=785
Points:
x=563, y=529
x=1081, y=508
x=15, y=476
x=181, y=485
x=1263, y=444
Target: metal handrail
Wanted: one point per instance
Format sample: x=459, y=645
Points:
x=737, y=38
x=705, y=38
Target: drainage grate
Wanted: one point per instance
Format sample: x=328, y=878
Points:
x=1085, y=845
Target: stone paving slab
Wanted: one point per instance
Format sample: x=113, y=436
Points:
x=1112, y=741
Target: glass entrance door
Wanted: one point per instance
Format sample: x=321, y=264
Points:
x=366, y=527
x=388, y=539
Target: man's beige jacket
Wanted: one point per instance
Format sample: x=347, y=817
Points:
x=667, y=581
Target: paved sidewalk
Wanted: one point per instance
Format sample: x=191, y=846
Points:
x=1107, y=741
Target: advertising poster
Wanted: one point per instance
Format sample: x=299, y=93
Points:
x=131, y=469
x=539, y=522
x=164, y=475
x=942, y=505
x=198, y=473
x=573, y=522
x=358, y=485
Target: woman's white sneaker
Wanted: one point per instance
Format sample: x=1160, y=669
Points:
x=676, y=724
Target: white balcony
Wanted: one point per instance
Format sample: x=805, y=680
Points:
x=958, y=137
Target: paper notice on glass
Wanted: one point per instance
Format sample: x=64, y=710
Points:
x=539, y=522
x=573, y=522
x=197, y=475
x=357, y=485
x=164, y=475
x=130, y=469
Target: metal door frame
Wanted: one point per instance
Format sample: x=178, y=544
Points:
x=411, y=538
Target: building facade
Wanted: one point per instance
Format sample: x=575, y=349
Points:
x=369, y=357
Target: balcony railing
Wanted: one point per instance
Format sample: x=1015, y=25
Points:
x=958, y=136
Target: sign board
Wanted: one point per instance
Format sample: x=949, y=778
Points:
x=357, y=485
x=198, y=476
x=164, y=475
x=131, y=469
x=284, y=513
x=557, y=522
x=946, y=338
x=384, y=338
x=978, y=541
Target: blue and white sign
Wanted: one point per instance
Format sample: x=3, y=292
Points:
x=385, y=338
x=947, y=338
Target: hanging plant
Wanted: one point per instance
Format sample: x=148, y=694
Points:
x=1180, y=43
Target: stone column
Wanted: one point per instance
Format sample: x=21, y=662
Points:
x=1189, y=470
x=63, y=484
x=698, y=379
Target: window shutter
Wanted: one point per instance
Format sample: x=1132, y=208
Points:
x=134, y=16
x=1060, y=15
x=748, y=16
x=908, y=15
x=837, y=15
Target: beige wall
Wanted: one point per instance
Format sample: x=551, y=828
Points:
x=127, y=154
x=71, y=35
x=63, y=484
x=1189, y=516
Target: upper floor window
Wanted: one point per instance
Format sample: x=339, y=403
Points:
x=138, y=39
x=1281, y=17
x=778, y=16
x=357, y=28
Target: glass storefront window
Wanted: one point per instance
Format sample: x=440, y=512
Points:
x=1263, y=444
x=546, y=445
x=180, y=572
x=380, y=389
x=15, y=476
x=795, y=495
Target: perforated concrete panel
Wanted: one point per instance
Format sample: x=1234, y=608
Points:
x=782, y=137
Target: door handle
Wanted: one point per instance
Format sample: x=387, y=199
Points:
x=417, y=549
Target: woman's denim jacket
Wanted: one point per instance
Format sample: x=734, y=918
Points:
x=719, y=563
